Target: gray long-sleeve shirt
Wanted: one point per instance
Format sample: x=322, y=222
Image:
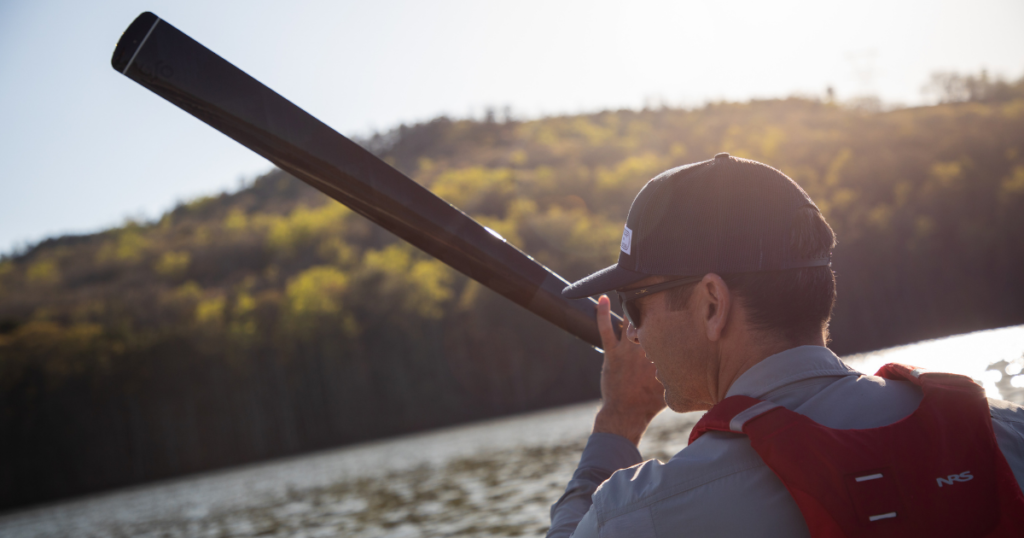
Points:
x=719, y=486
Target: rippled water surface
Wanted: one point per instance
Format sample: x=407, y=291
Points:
x=490, y=479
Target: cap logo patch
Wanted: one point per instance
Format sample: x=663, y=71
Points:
x=627, y=240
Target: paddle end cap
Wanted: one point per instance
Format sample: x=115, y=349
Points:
x=130, y=41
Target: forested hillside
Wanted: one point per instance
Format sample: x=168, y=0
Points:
x=273, y=320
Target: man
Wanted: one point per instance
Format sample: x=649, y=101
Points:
x=725, y=278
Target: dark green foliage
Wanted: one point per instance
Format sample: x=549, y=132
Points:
x=272, y=321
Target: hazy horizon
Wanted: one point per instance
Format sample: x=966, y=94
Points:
x=86, y=148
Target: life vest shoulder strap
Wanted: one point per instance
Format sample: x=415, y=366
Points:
x=901, y=372
x=731, y=414
x=929, y=380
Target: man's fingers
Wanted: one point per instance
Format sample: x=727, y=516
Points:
x=604, y=322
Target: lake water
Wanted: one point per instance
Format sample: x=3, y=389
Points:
x=496, y=478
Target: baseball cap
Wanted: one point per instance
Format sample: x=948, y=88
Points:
x=723, y=215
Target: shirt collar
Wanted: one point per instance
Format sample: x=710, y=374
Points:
x=790, y=366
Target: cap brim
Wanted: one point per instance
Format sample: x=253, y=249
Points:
x=605, y=280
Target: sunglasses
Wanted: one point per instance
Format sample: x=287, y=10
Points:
x=628, y=298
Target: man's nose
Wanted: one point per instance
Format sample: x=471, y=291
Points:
x=631, y=333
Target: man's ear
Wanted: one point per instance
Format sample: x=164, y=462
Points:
x=716, y=302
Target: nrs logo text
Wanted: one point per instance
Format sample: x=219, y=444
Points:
x=962, y=477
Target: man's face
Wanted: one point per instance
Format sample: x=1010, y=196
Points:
x=674, y=341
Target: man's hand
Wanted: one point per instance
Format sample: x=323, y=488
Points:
x=631, y=395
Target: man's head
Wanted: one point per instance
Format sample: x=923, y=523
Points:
x=791, y=305
x=757, y=251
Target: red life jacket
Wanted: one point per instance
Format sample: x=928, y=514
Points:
x=937, y=472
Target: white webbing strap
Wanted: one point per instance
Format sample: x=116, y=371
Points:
x=741, y=418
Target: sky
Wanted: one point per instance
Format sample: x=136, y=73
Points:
x=83, y=148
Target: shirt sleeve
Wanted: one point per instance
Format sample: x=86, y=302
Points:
x=1008, y=425
x=604, y=454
